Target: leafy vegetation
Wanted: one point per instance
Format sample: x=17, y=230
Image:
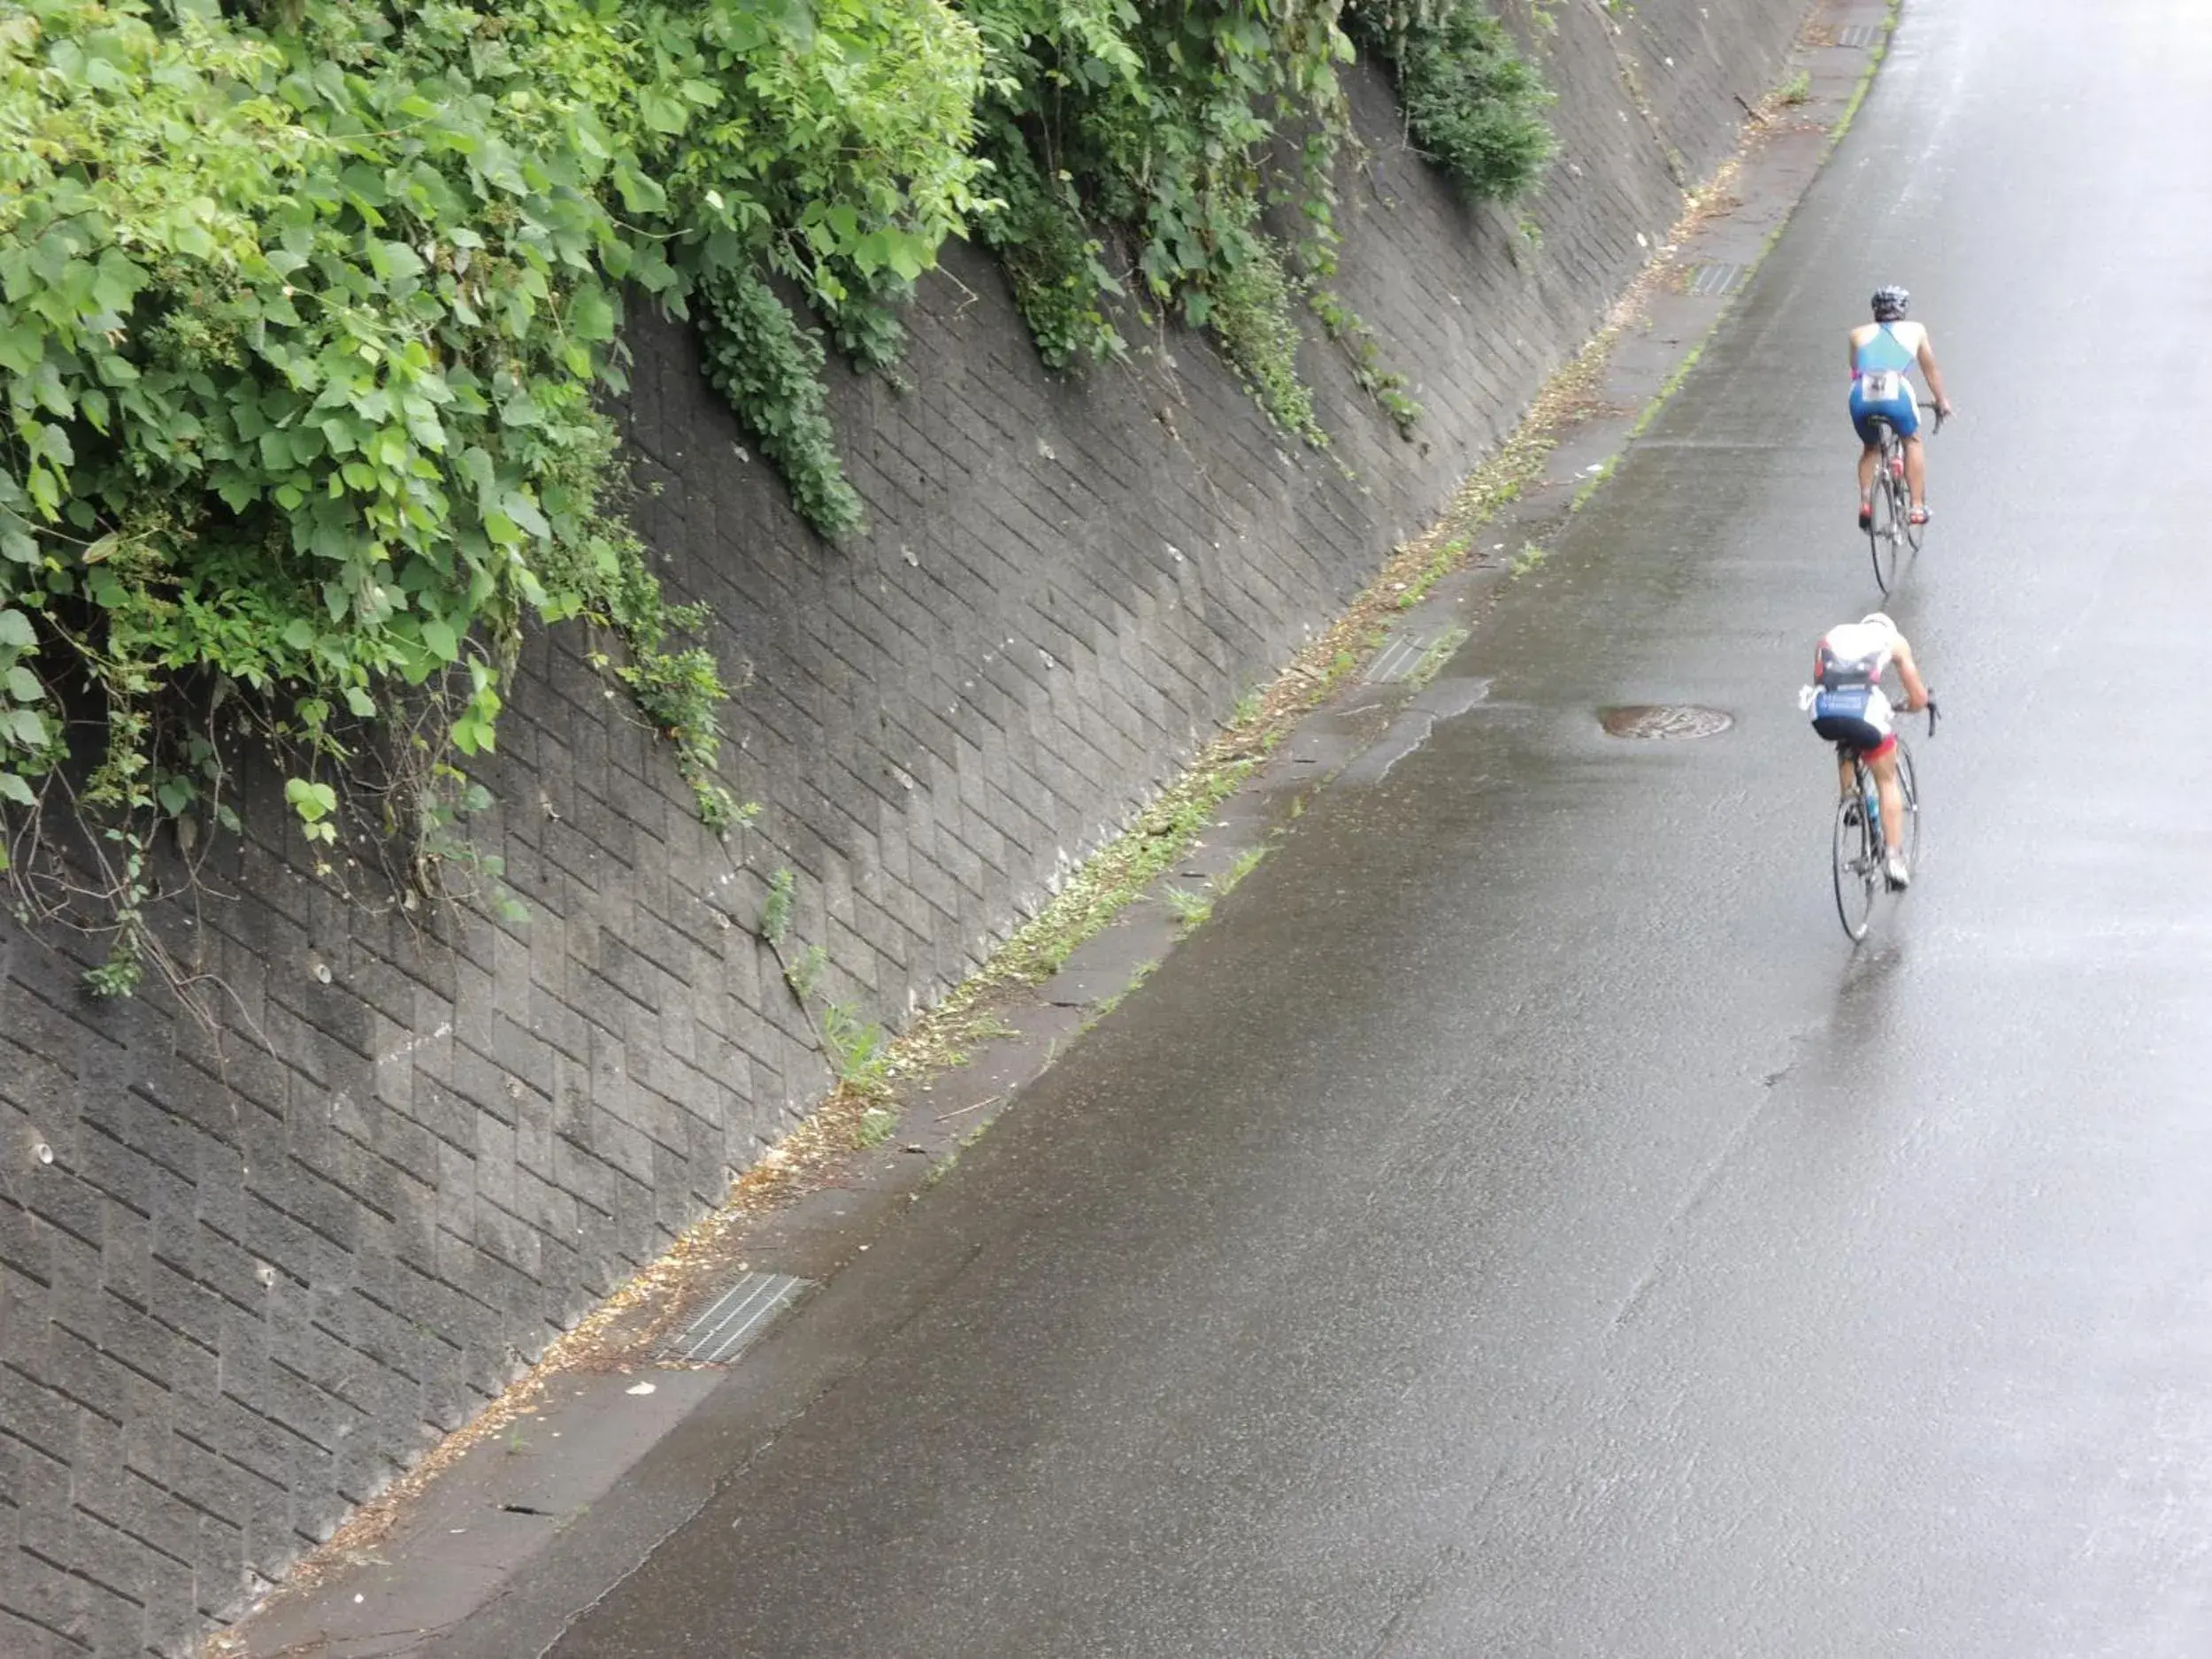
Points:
x=770, y=371
x=308, y=308
x=1472, y=103
x=1052, y=257
x=1157, y=129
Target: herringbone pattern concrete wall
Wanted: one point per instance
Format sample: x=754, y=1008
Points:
x=266, y=1265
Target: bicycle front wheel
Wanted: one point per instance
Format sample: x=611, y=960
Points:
x=1857, y=869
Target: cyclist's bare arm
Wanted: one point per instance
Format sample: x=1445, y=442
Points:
x=1934, y=375
x=1908, y=671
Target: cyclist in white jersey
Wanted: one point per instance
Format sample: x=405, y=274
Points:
x=1884, y=353
x=1850, y=709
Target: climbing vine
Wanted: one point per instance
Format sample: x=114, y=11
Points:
x=309, y=310
x=304, y=308
x=1472, y=103
x=1177, y=134
x=1159, y=125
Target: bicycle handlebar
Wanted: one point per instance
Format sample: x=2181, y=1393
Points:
x=1928, y=708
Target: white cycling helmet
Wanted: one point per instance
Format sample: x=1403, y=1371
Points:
x=1878, y=619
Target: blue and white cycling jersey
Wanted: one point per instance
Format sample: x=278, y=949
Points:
x=1881, y=385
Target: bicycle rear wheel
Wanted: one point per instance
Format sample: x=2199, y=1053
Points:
x=1884, y=530
x=1857, y=869
x=1910, y=787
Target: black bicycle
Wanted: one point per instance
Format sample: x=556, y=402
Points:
x=1862, y=850
x=1891, y=534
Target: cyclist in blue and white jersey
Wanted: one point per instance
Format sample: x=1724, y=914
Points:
x=1850, y=709
x=1884, y=353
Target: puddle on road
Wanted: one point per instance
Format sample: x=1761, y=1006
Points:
x=1441, y=701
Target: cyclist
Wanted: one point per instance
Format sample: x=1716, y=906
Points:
x=1883, y=354
x=1850, y=709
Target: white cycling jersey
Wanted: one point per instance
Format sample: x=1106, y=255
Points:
x=1849, y=665
x=1868, y=643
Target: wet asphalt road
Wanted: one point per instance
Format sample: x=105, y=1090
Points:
x=1521, y=1225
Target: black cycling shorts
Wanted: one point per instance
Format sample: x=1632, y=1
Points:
x=1861, y=737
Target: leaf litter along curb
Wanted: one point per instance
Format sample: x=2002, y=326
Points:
x=826, y=1141
x=1117, y=873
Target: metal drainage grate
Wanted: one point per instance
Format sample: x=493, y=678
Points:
x=1397, y=659
x=1859, y=35
x=735, y=1319
x=1662, y=719
x=1715, y=278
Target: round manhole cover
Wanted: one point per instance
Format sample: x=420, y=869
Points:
x=1662, y=719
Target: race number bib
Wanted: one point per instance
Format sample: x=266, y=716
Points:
x=1847, y=702
x=1882, y=386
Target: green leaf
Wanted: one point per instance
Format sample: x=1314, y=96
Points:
x=23, y=685
x=15, y=629
x=664, y=111
x=395, y=262
x=117, y=281
x=910, y=256
x=524, y=512
x=14, y=788
x=476, y=465
x=313, y=802
x=591, y=316
x=639, y=194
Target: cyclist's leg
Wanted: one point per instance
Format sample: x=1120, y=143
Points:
x=1904, y=414
x=1883, y=763
x=1869, y=433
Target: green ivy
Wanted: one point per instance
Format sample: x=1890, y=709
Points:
x=1155, y=123
x=298, y=366
x=1250, y=311
x=303, y=315
x=769, y=370
x=1052, y=259
x=1158, y=125
x=1472, y=103
x=307, y=309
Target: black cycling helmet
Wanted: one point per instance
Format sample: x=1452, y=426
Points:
x=1890, y=304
